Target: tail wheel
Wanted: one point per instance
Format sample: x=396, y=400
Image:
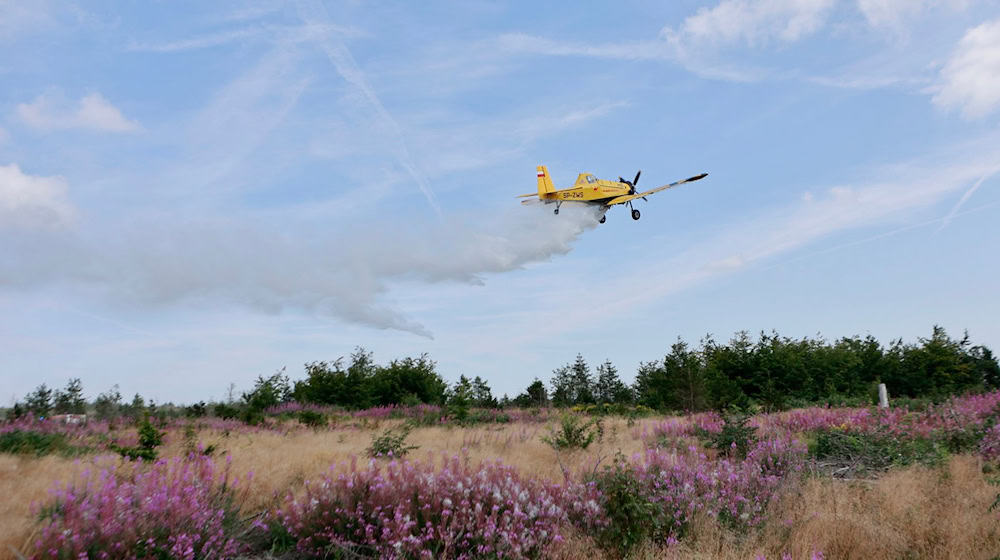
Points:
x=635, y=214
x=556, y=211
x=602, y=220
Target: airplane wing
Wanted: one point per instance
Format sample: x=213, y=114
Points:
x=627, y=197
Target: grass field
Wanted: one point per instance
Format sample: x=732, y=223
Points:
x=930, y=500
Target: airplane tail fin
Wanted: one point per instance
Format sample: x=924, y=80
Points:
x=544, y=181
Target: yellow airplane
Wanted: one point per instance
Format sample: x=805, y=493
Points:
x=598, y=192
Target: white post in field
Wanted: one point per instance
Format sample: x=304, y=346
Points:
x=883, y=396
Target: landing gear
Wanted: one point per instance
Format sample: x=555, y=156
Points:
x=556, y=212
x=635, y=214
x=602, y=220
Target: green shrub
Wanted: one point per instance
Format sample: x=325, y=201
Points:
x=735, y=439
x=864, y=452
x=574, y=432
x=196, y=410
x=458, y=409
x=428, y=418
x=392, y=443
x=149, y=439
x=31, y=442
x=962, y=440
x=252, y=416
x=632, y=517
x=226, y=411
x=312, y=418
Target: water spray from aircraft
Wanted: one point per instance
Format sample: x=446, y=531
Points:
x=342, y=274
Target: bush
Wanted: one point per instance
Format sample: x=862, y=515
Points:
x=735, y=439
x=632, y=516
x=179, y=509
x=149, y=439
x=226, y=411
x=867, y=452
x=655, y=497
x=391, y=443
x=574, y=432
x=411, y=510
x=312, y=418
x=989, y=447
x=31, y=442
x=252, y=416
x=196, y=410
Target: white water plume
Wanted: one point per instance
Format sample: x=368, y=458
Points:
x=341, y=274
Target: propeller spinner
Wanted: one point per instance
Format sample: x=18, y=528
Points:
x=631, y=184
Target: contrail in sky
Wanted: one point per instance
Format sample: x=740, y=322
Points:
x=344, y=62
x=965, y=197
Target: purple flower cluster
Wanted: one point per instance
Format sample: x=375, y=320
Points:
x=399, y=411
x=180, y=509
x=957, y=414
x=292, y=407
x=412, y=509
x=679, y=427
x=989, y=447
x=816, y=555
x=736, y=491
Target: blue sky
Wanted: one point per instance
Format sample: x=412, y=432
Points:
x=193, y=194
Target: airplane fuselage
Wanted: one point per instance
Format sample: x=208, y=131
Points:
x=587, y=189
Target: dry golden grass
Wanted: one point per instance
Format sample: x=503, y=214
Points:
x=27, y=480
x=911, y=513
x=914, y=513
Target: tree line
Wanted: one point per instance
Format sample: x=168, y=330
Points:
x=769, y=371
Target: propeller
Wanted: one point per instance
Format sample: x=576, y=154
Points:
x=631, y=184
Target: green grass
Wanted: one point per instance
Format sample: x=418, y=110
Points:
x=27, y=442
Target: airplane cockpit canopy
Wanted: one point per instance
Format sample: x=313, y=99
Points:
x=591, y=179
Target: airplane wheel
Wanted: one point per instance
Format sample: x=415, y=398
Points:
x=556, y=211
x=635, y=214
x=603, y=219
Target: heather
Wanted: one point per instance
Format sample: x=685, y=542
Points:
x=413, y=509
x=183, y=508
x=656, y=495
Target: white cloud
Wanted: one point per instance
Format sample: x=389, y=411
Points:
x=200, y=42
x=658, y=49
x=970, y=80
x=17, y=18
x=753, y=22
x=93, y=112
x=696, y=42
x=31, y=201
x=890, y=13
x=245, y=34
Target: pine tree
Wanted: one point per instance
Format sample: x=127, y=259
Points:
x=70, y=400
x=39, y=401
x=609, y=388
